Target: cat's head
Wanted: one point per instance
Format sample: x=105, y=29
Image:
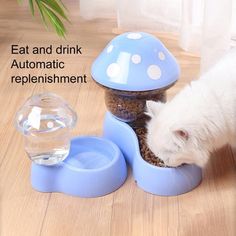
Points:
x=173, y=141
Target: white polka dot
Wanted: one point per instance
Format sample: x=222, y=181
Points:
x=136, y=59
x=50, y=124
x=154, y=72
x=134, y=36
x=113, y=70
x=161, y=56
x=110, y=48
x=20, y=117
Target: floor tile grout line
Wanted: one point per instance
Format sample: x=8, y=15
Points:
x=110, y=227
x=6, y=151
x=45, y=214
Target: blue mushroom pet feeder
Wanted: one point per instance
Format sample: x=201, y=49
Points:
x=84, y=166
x=134, y=68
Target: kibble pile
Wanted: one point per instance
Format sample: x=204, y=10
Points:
x=129, y=106
x=146, y=153
x=124, y=107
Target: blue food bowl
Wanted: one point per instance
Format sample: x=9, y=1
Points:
x=94, y=167
x=156, y=180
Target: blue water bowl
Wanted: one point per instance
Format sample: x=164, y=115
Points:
x=156, y=180
x=95, y=167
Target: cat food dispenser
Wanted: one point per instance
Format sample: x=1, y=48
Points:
x=133, y=68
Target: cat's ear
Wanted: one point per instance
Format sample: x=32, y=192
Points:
x=181, y=134
x=153, y=108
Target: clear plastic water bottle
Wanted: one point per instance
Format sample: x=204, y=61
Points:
x=46, y=121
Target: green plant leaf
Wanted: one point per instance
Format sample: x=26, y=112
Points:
x=62, y=4
x=50, y=11
x=40, y=7
x=55, y=21
x=53, y=4
x=31, y=6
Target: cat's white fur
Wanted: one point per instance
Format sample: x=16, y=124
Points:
x=198, y=120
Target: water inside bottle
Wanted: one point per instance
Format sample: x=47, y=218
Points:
x=47, y=139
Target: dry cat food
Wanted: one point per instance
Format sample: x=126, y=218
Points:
x=129, y=106
x=146, y=153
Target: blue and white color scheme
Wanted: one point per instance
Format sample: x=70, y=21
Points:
x=135, y=61
x=94, y=167
x=163, y=181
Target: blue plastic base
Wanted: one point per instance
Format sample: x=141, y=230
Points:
x=153, y=179
x=95, y=167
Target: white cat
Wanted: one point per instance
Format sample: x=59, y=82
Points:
x=198, y=120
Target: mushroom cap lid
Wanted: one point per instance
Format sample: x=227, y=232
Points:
x=135, y=61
